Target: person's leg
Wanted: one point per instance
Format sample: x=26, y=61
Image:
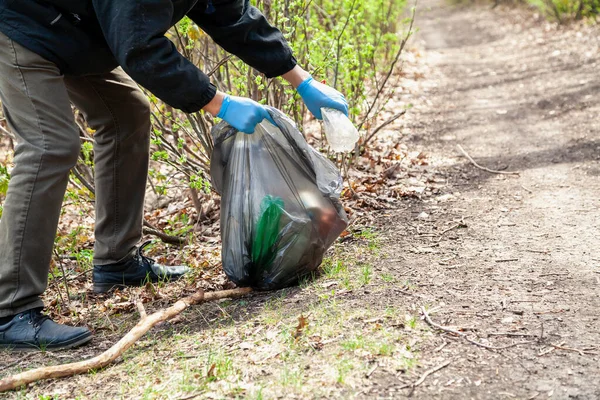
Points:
x=118, y=111
x=115, y=107
x=37, y=109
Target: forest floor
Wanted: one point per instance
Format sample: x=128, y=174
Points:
x=510, y=262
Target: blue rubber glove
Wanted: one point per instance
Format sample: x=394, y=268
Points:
x=317, y=95
x=243, y=113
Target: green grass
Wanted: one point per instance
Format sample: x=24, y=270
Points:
x=227, y=352
x=366, y=275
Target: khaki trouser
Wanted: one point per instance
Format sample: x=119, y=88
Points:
x=36, y=102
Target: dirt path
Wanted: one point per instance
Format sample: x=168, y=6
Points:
x=518, y=95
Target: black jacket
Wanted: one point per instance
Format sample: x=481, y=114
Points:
x=93, y=36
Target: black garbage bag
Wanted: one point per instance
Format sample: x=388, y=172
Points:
x=280, y=207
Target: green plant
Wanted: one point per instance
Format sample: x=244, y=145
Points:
x=558, y=10
x=4, y=178
x=333, y=269
x=366, y=274
x=351, y=45
x=563, y=10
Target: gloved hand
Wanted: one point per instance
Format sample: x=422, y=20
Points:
x=243, y=113
x=317, y=95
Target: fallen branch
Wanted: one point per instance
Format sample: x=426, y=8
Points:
x=493, y=171
x=110, y=355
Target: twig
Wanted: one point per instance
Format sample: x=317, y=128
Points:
x=383, y=125
x=218, y=65
x=550, y=350
x=141, y=309
x=464, y=335
x=150, y=229
x=580, y=351
x=64, y=278
x=56, y=282
x=391, y=69
x=20, y=360
x=372, y=370
x=441, y=347
x=191, y=396
x=508, y=346
x=511, y=334
x=110, y=355
x=84, y=181
x=506, y=260
x=528, y=190
x=339, y=44
x=459, y=225
x=493, y=171
x=6, y=132
x=426, y=374
x=538, y=251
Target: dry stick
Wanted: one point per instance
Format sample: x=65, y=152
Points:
x=64, y=277
x=449, y=229
x=484, y=168
x=464, y=335
x=110, y=355
x=549, y=350
x=383, y=125
x=392, y=66
x=512, y=334
x=20, y=360
x=152, y=230
x=581, y=352
x=426, y=374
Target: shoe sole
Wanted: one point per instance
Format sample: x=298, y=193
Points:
x=108, y=287
x=75, y=342
x=101, y=288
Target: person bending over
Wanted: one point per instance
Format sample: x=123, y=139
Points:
x=93, y=53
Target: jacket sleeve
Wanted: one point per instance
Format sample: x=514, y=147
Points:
x=241, y=29
x=134, y=31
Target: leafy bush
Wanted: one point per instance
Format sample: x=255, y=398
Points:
x=351, y=45
x=562, y=10
x=558, y=10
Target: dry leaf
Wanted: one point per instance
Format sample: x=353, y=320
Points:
x=302, y=323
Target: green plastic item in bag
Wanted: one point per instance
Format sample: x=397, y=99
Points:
x=266, y=232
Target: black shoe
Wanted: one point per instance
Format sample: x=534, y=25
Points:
x=31, y=330
x=136, y=271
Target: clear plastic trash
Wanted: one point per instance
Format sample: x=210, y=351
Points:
x=280, y=207
x=339, y=130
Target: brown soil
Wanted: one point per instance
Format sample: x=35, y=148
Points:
x=518, y=94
